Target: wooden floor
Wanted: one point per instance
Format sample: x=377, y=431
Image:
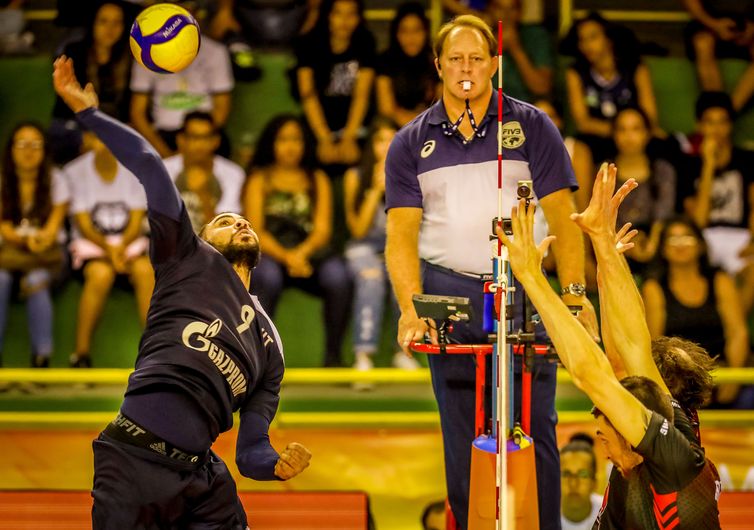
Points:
x=70, y=510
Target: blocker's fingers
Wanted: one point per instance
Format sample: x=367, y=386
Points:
x=502, y=236
x=515, y=223
x=623, y=231
x=545, y=244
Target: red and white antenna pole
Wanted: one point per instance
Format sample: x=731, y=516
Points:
x=501, y=420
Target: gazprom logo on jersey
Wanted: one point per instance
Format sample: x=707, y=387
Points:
x=197, y=335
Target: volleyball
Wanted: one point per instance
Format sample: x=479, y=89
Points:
x=165, y=38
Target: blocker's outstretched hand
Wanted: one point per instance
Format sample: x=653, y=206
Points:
x=524, y=256
x=293, y=460
x=600, y=217
x=68, y=88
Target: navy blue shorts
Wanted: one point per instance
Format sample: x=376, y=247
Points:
x=135, y=488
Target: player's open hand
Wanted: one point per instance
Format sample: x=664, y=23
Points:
x=524, y=255
x=600, y=217
x=68, y=88
x=293, y=460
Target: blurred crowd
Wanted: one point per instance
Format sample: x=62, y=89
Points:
x=70, y=212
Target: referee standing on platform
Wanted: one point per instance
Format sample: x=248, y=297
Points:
x=441, y=184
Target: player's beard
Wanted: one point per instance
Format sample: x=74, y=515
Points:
x=242, y=253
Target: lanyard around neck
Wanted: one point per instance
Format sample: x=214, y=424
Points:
x=449, y=129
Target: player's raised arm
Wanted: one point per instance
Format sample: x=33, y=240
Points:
x=624, y=327
x=128, y=146
x=588, y=366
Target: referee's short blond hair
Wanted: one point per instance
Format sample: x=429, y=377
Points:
x=468, y=21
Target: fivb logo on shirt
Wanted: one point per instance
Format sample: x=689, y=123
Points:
x=511, y=136
x=197, y=335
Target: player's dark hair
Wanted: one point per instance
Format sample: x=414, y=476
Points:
x=686, y=369
x=714, y=100
x=648, y=393
x=198, y=115
x=582, y=443
x=10, y=199
x=435, y=507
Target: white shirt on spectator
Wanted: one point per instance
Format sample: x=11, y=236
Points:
x=175, y=95
x=229, y=175
x=587, y=523
x=108, y=203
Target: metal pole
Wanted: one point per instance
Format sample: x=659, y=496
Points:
x=501, y=472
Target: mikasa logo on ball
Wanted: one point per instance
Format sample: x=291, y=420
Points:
x=172, y=27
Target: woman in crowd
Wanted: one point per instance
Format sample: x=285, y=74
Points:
x=407, y=82
x=686, y=297
x=334, y=74
x=364, y=188
x=607, y=75
x=653, y=202
x=33, y=202
x=289, y=203
x=102, y=58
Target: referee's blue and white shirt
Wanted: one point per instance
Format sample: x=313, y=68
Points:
x=455, y=181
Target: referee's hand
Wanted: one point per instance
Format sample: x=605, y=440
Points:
x=293, y=460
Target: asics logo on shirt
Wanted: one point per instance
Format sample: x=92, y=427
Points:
x=197, y=335
x=428, y=148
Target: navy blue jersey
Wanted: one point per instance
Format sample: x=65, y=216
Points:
x=205, y=333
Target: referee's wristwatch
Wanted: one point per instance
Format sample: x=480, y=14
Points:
x=576, y=289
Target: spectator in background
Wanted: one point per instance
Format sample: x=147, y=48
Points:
x=262, y=22
x=102, y=57
x=364, y=189
x=108, y=206
x=607, y=76
x=527, y=54
x=578, y=151
x=407, y=82
x=209, y=184
x=33, y=201
x=335, y=72
x=289, y=203
x=653, y=202
x=579, y=503
x=13, y=38
x=433, y=516
x=583, y=169
x=718, y=190
x=686, y=297
x=205, y=85
x=722, y=30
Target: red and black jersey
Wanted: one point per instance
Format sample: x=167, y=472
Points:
x=675, y=488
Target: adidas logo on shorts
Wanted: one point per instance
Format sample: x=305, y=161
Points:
x=159, y=447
